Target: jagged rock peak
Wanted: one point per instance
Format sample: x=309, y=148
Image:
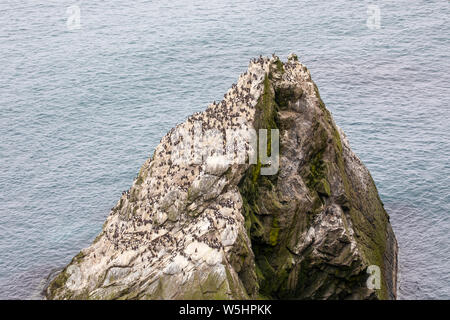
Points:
x=209, y=218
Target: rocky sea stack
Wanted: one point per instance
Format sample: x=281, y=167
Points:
x=214, y=229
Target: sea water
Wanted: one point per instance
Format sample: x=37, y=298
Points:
x=88, y=88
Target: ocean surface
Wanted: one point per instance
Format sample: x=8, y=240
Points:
x=82, y=108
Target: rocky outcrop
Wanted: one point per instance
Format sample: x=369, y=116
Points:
x=198, y=225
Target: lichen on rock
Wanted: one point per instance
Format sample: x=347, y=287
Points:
x=215, y=229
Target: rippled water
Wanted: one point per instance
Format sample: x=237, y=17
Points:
x=82, y=109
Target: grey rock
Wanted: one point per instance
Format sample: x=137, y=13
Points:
x=218, y=230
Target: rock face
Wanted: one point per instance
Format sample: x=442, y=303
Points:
x=208, y=228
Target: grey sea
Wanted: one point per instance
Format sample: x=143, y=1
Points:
x=88, y=88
